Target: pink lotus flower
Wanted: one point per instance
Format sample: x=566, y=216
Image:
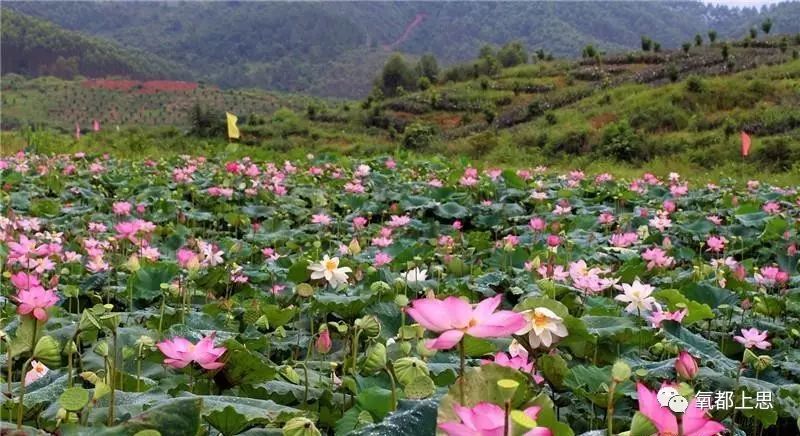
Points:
x=771, y=276
x=537, y=224
x=359, y=222
x=323, y=344
x=121, y=208
x=657, y=258
x=127, y=230
x=381, y=259
x=399, y=221
x=180, y=352
x=771, y=208
x=487, y=419
x=35, y=300
x=457, y=225
x=658, y=316
x=187, y=258
x=716, y=243
x=686, y=366
x=25, y=281
x=454, y=317
x=605, y=218
x=753, y=338
x=37, y=371
x=624, y=239
x=695, y=420
x=553, y=241
x=519, y=362
x=321, y=219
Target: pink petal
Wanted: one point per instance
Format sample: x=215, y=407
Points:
x=456, y=429
x=499, y=324
x=486, y=307
x=430, y=314
x=446, y=340
x=661, y=417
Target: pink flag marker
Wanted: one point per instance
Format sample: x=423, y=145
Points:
x=96, y=125
x=77, y=131
x=745, y=144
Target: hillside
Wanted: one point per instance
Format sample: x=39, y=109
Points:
x=56, y=103
x=640, y=108
x=32, y=46
x=317, y=48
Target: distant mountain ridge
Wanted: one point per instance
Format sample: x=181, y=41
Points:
x=33, y=47
x=336, y=49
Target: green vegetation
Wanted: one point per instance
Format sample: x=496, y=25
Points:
x=32, y=46
x=336, y=49
x=659, y=111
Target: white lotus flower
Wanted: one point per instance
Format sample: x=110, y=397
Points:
x=637, y=295
x=328, y=268
x=544, y=327
x=415, y=275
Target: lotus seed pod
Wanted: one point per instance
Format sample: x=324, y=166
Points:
x=300, y=427
x=507, y=388
x=405, y=347
x=304, y=290
x=380, y=287
x=370, y=325
x=376, y=358
x=621, y=371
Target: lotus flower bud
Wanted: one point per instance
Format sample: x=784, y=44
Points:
x=686, y=366
x=323, y=344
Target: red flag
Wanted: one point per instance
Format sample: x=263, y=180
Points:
x=96, y=125
x=745, y=144
x=77, y=131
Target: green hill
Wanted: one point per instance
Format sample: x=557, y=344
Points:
x=654, y=109
x=336, y=48
x=32, y=46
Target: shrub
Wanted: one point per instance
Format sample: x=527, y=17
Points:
x=778, y=154
x=570, y=142
x=659, y=117
x=695, y=84
x=419, y=136
x=621, y=142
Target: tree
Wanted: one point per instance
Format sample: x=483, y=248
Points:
x=647, y=43
x=698, y=40
x=725, y=51
x=753, y=33
x=712, y=36
x=686, y=47
x=486, y=52
x=512, y=54
x=589, y=52
x=428, y=67
x=766, y=26
x=540, y=54
x=656, y=47
x=397, y=74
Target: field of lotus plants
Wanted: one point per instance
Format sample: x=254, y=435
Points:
x=191, y=296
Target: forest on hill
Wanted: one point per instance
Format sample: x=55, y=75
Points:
x=335, y=49
x=35, y=47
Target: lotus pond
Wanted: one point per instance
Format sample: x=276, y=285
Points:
x=194, y=296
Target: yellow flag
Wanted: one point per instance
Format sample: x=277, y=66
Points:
x=233, y=131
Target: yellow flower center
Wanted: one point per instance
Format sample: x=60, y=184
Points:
x=330, y=265
x=540, y=320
